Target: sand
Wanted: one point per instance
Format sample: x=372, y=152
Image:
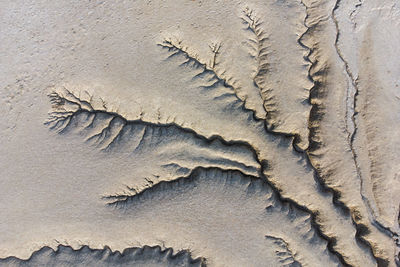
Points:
x=205, y=133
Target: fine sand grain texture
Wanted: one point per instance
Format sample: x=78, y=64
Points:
x=200, y=133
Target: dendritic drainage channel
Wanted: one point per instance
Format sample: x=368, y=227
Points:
x=267, y=149
x=214, y=180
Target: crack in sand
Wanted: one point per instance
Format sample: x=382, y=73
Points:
x=376, y=222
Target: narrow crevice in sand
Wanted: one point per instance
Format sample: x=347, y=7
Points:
x=362, y=229
x=354, y=12
x=351, y=134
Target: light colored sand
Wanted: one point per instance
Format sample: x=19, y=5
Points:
x=257, y=133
